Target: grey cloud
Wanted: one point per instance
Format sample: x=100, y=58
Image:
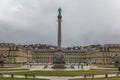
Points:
x=84, y=21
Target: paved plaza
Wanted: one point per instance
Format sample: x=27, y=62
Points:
x=49, y=68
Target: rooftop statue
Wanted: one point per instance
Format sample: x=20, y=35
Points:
x=59, y=12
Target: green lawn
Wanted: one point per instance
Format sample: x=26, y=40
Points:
x=64, y=73
x=99, y=79
x=107, y=69
x=20, y=79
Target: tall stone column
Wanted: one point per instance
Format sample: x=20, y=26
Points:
x=58, y=58
x=59, y=28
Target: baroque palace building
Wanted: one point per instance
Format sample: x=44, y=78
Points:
x=12, y=53
x=97, y=54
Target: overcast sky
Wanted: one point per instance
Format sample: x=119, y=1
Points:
x=84, y=22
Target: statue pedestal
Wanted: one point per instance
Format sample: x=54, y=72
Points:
x=58, y=61
x=59, y=66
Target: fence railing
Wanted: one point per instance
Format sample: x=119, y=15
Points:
x=103, y=75
x=84, y=76
x=15, y=76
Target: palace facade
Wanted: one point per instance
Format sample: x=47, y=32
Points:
x=97, y=54
x=12, y=53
